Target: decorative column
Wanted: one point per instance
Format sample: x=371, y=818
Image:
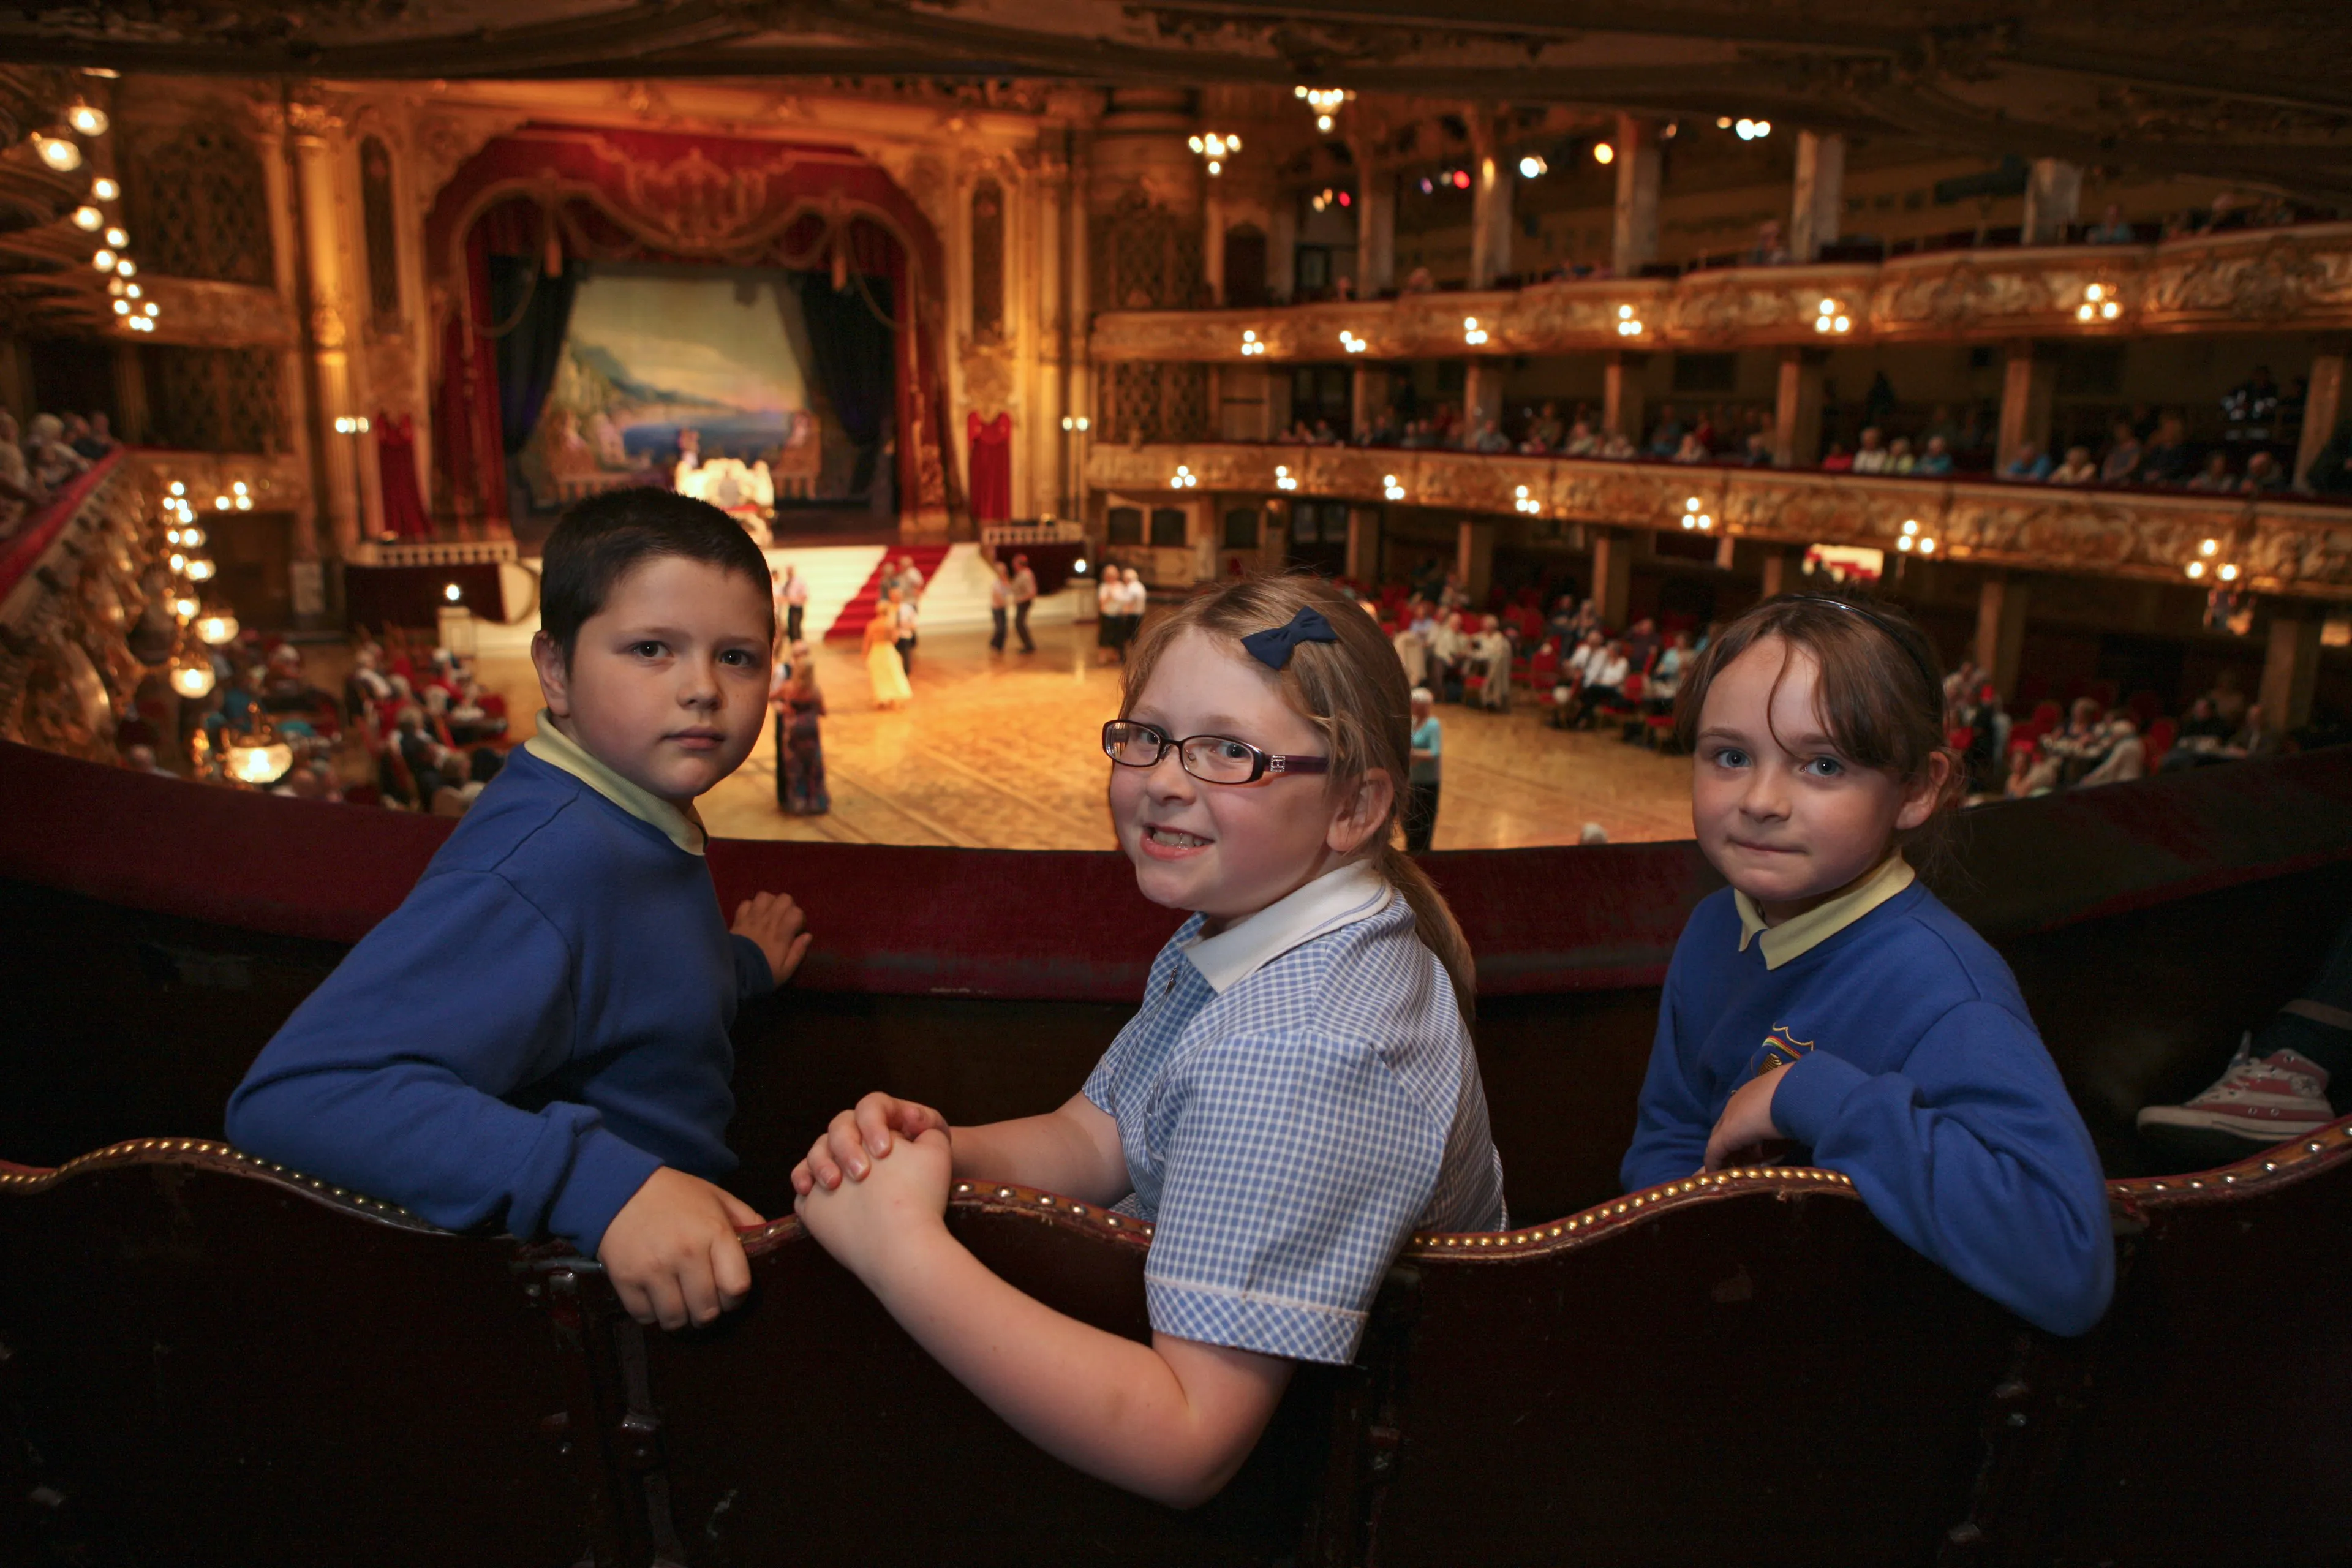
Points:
x=1612, y=575
x=1621, y=395
x=1481, y=392
x=313, y=128
x=1780, y=570
x=1368, y=394
x=1635, y=244
x=1474, y=558
x=1490, y=210
x=1375, y=219
x=2291, y=668
x=2028, y=388
x=307, y=584
x=1364, y=543
x=2054, y=191
x=1213, y=243
x=1797, y=414
x=2001, y=603
x=2323, y=406
x=1820, y=195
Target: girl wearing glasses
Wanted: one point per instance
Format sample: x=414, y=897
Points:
x=1295, y=1096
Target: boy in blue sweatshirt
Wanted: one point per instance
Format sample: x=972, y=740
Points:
x=537, y=1037
x=1827, y=998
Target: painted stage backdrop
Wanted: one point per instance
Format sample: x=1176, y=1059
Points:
x=649, y=355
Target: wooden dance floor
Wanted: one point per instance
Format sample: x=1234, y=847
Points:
x=1002, y=752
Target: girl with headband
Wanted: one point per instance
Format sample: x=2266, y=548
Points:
x=1826, y=999
x=1296, y=1095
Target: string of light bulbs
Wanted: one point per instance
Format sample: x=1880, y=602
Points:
x=100, y=215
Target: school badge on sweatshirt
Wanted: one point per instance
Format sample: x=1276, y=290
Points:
x=1780, y=1048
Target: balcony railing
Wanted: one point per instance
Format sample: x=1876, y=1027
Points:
x=2248, y=280
x=2270, y=546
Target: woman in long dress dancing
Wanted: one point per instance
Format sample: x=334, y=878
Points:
x=803, y=705
x=883, y=667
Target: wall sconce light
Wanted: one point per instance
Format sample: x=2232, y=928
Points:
x=104, y=189
x=1602, y=153
x=219, y=627
x=1697, y=520
x=1351, y=342
x=1325, y=102
x=1526, y=503
x=1752, y=130
x=1390, y=488
x=57, y=151
x=2099, y=303
x=1533, y=167
x=1079, y=422
x=1251, y=347
x=1183, y=478
x=88, y=219
x=1832, y=318
x=1472, y=332
x=1216, y=148
x=191, y=676
x=1629, y=325
x=87, y=119
x=1282, y=478
x=1913, y=539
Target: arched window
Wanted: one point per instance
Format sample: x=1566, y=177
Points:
x=382, y=239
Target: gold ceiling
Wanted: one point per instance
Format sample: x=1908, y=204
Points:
x=2258, y=95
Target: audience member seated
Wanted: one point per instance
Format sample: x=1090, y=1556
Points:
x=1419, y=281
x=2214, y=477
x=2111, y=228
x=1900, y=458
x=2123, y=459
x=1667, y=436
x=92, y=437
x=2126, y=757
x=1872, y=458
x=1618, y=447
x=1692, y=451
x=1770, y=249
x=2264, y=475
x=2077, y=469
x=2252, y=408
x=1838, y=460
x=1489, y=438
x=2032, y=465
x=1759, y=453
x=1546, y=432
x=51, y=461
x=1583, y=443
x=2164, y=459
x=1936, y=462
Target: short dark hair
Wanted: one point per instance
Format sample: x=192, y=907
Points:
x=606, y=536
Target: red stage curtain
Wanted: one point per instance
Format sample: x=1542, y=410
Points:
x=396, y=462
x=991, y=467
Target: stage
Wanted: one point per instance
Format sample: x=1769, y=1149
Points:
x=1001, y=752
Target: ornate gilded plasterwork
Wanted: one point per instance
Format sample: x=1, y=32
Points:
x=206, y=314
x=2250, y=280
x=2282, y=547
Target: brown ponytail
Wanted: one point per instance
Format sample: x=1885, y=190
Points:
x=1355, y=691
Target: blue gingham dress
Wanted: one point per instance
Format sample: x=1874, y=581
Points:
x=1288, y=1132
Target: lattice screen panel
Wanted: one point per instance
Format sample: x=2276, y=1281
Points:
x=1156, y=403
x=199, y=209
x=988, y=262
x=1144, y=258
x=216, y=400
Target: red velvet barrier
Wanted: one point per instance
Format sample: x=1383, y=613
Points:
x=1070, y=926
x=41, y=529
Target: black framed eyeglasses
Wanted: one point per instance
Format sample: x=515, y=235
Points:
x=1213, y=759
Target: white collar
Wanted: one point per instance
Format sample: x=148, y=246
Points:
x=1353, y=892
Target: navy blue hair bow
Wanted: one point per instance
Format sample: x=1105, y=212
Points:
x=1273, y=646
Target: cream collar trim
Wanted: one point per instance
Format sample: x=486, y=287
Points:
x=1795, y=938
x=1352, y=892
x=682, y=827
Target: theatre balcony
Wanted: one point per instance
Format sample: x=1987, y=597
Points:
x=2238, y=281
x=2270, y=545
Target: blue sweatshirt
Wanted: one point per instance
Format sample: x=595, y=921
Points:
x=1917, y=1073
x=539, y=1026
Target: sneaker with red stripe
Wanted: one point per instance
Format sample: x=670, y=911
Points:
x=2259, y=1100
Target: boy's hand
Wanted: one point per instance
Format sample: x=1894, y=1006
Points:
x=1746, y=1120
x=854, y=1135
x=672, y=1253
x=776, y=923
x=866, y=1224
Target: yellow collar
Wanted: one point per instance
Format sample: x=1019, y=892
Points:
x=681, y=826
x=1794, y=938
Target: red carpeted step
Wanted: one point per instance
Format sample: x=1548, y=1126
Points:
x=850, y=624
